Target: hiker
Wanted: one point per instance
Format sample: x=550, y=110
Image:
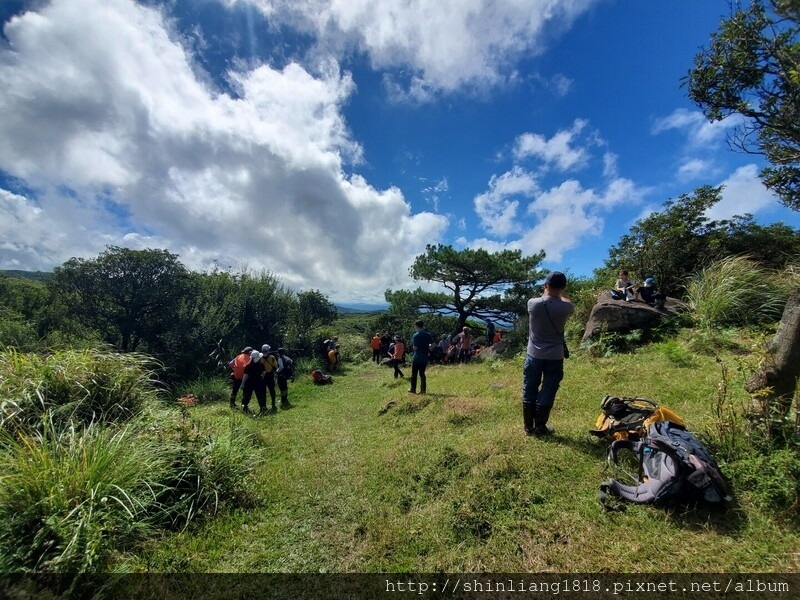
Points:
x=375, y=344
x=333, y=353
x=398, y=351
x=464, y=342
x=270, y=367
x=253, y=382
x=237, y=365
x=421, y=342
x=386, y=341
x=625, y=288
x=650, y=295
x=544, y=362
x=489, y=332
x=284, y=372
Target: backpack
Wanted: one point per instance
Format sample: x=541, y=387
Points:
x=288, y=368
x=321, y=378
x=616, y=294
x=623, y=418
x=675, y=468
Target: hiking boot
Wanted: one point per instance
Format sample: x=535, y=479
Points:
x=285, y=404
x=245, y=409
x=542, y=431
x=528, y=415
x=233, y=404
x=412, y=391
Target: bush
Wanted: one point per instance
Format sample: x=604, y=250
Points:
x=736, y=291
x=71, y=497
x=207, y=389
x=74, y=386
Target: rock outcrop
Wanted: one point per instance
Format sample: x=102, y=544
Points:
x=622, y=316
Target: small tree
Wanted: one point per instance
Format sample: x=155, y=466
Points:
x=478, y=282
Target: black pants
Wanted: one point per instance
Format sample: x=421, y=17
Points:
x=376, y=356
x=258, y=389
x=418, y=368
x=397, y=371
x=236, y=384
x=269, y=384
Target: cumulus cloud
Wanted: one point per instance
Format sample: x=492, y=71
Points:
x=742, y=193
x=436, y=46
x=559, y=151
x=497, y=207
x=105, y=114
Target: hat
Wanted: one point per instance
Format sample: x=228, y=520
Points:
x=255, y=355
x=281, y=350
x=557, y=280
x=649, y=281
x=247, y=349
x=266, y=348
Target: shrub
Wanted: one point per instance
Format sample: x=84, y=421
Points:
x=73, y=386
x=207, y=389
x=736, y=291
x=71, y=497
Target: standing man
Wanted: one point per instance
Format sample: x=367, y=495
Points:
x=489, y=332
x=237, y=365
x=284, y=372
x=464, y=341
x=270, y=366
x=421, y=342
x=397, y=356
x=544, y=363
x=375, y=344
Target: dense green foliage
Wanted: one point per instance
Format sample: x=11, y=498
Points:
x=673, y=244
x=752, y=68
x=94, y=462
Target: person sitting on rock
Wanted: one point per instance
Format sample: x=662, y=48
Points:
x=649, y=294
x=625, y=288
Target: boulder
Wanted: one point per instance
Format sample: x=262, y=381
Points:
x=622, y=316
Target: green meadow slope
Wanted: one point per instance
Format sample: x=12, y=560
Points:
x=361, y=476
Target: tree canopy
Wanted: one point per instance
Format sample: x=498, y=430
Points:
x=480, y=284
x=676, y=242
x=131, y=296
x=752, y=68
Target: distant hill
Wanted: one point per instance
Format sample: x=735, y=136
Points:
x=34, y=275
x=361, y=308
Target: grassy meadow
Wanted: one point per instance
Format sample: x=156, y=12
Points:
x=361, y=476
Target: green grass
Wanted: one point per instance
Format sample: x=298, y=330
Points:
x=361, y=476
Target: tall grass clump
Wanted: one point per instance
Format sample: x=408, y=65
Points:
x=73, y=386
x=72, y=497
x=735, y=291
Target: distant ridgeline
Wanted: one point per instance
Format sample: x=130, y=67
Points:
x=34, y=275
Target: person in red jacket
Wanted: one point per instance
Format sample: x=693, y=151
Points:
x=237, y=365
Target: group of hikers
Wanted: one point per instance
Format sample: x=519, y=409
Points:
x=628, y=290
x=391, y=349
x=256, y=373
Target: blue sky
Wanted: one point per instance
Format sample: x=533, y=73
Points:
x=329, y=141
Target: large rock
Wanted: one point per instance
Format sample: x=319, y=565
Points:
x=622, y=316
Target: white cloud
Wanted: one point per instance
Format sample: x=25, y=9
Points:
x=439, y=45
x=699, y=131
x=99, y=96
x=497, y=208
x=742, y=193
x=559, y=151
x=694, y=168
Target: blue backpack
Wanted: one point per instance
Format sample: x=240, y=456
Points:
x=675, y=468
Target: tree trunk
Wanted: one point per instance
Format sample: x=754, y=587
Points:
x=775, y=384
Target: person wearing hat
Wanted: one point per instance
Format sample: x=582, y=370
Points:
x=650, y=295
x=270, y=364
x=398, y=350
x=253, y=381
x=237, y=365
x=464, y=342
x=544, y=361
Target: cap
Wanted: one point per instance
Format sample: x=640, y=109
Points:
x=247, y=349
x=649, y=281
x=557, y=280
x=255, y=355
x=266, y=348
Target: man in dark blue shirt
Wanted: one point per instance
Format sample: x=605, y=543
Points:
x=421, y=342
